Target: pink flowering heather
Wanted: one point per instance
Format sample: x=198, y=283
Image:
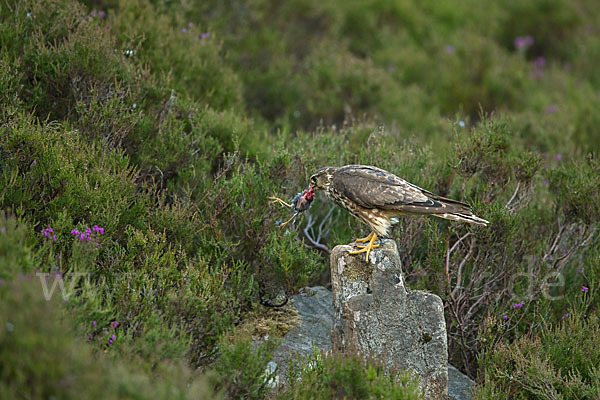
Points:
x=523, y=42
x=49, y=233
x=584, y=289
x=518, y=305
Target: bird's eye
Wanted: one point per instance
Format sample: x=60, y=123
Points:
x=313, y=179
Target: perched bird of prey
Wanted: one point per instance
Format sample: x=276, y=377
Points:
x=378, y=198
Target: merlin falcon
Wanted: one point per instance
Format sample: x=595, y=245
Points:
x=378, y=198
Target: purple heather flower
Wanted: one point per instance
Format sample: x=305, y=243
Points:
x=54, y=238
x=548, y=265
x=540, y=62
x=184, y=30
x=113, y=337
x=517, y=305
x=579, y=271
x=551, y=109
x=191, y=25
x=584, y=289
x=3, y=229
x=558, y=157
x=74, y=232
x=34, y=163
x=505, y=317
x=523, y=42
x=94, y=324
x=449, y=49
x=535, y=259
x=545, y=183
x=115, y=324
x=205, y=35
x=101, y=14
x=82, y=236
x=565, y=316
x=91, y=337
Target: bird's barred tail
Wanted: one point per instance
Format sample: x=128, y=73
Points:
x=468, y=218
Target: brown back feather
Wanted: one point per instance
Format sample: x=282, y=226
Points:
x=372, y=187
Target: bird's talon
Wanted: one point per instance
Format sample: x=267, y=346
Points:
x=365, y=239
x=283, y=224
x=277, y=200
x=367, y=249
x=364, y=247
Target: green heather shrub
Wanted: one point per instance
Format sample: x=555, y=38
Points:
x=348, y=376
x=560, y=361
x=578, y=189
x=177, y=53
x=551, y=23
x=16, y=255
x=50, y=173
x=162, y=127
x=44, y=356
x=241, y=369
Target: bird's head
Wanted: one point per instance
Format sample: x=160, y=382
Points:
x=321, y=179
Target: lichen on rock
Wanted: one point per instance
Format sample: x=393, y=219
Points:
x=376, y=314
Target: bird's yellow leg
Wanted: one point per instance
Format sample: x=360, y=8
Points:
x=367, y=249
x=365, y=239
x=275, y=200
x=289, y=220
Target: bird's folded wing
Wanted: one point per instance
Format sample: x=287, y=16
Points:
x=372, y=187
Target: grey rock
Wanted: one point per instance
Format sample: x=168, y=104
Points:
x=315, y=309
x=316, y=314
x=272, y=379
x=377, y=315
x=459, y=385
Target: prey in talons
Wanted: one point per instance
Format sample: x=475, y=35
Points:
x=300, y=203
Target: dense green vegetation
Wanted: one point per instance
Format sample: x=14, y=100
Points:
x=139, y=141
